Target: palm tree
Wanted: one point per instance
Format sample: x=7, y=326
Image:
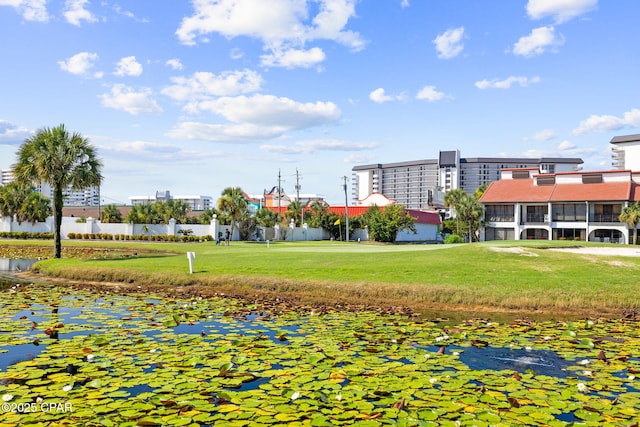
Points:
x=469, y=210
x=631, y=215
x=451, y=200
x=61, y=159
x=294, y=211
x=234, y=204
x=37, y=208
x=110, y=214
x=12, y=197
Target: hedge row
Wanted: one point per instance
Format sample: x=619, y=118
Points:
x=152, y=238
x=24, y=235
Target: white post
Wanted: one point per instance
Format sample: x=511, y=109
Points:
x=190, y=257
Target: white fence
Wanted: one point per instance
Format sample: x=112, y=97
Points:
x=425, y=232
x=214, y=229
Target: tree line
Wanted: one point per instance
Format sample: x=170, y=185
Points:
x=67, y=160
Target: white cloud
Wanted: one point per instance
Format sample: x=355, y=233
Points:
x=293, y=58
x=255, y=118
x=449, y=44
x=379, y=96
x=272, y=111
x=203, y=85
x=606, y=123
x=80, y=63
x=127, y=99
x=282, y=25
x=543, y=135
x=507, y=83
x=429, y=93
x=31, y=10
x=560, y=10
x=404, y=3
x=174, y=63
x=135, y=151
x=538, y=42
x=128, y=66
x=224, y=133
x=11, y=134
x=311, y=146
x=75, y=12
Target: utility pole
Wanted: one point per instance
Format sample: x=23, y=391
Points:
x=279, y=191
x=346, y=206
x=298, y=187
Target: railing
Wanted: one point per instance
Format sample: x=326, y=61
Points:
x=498, y=218
x=604, y=218
x=537, y=218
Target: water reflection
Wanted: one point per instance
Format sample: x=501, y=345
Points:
x=21, y=264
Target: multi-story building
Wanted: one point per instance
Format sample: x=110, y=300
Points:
x=420, y=184
x=625, y=152
x=6, y=176
x=527, y=204
x=196, y=203
x=86, y=197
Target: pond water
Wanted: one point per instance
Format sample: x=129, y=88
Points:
x=142, y=359
x=10, y=264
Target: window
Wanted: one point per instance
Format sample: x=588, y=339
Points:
x=594, y=178
x=546, y=180
x=499, y=213
x=520, y=174
x=569, y=212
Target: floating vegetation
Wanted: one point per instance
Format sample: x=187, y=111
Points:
x=73, y=357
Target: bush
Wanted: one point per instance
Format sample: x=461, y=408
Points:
x=454, y=238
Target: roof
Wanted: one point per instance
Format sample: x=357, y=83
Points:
x=625, y=138
x=425, y=217
x=526, y=160
x=523, y=190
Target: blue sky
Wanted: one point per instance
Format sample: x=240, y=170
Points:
x=196, y=96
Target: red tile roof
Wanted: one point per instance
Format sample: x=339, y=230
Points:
x=523, y=190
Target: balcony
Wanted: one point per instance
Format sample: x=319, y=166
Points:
x=605, y=218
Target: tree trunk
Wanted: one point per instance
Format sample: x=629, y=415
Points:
x=635, y=234
x=58, y=202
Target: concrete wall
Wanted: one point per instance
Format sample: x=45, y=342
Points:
x=426, y=232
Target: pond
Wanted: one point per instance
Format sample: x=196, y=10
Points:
x=102, y=358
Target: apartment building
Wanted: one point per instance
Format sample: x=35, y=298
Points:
x=86, y=197
x=196, y=203
x=625, y=152
x=527, y=204
x=421, y=184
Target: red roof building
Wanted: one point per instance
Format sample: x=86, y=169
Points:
x=525, y=204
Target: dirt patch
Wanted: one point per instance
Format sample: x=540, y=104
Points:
x=520, y=251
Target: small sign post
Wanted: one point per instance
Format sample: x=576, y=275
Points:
x=190, y=257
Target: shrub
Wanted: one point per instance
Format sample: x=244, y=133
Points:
x=453, y=238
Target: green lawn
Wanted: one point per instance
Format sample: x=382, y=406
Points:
x=475, y=277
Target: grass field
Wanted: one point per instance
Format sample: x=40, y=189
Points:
x=518, y=277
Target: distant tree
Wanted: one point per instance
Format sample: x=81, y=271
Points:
x=12, y=197
x=61, y=159
x=267, y=218
x=631, y=216
x=233, y=204
x=317, y=210
x=171, y=209
x=110, y=214
x=384, y=225
x=451, y=199
x=207, y=216
x=142, y=214
x=294, y=211
x=469, y=210
x=36, y=208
